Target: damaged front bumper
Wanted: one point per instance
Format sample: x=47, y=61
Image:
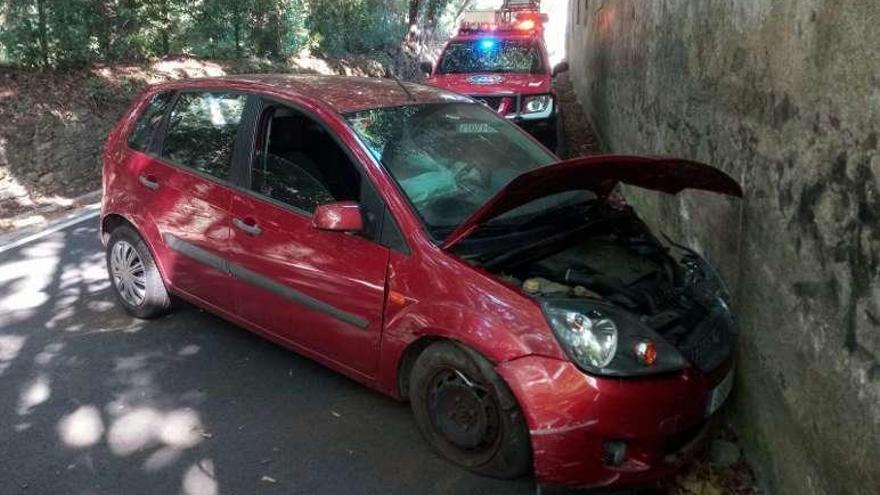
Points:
x=589, y=431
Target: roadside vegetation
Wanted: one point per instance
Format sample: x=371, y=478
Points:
x=68, y=68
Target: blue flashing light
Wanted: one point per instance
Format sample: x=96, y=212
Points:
x=487, y=44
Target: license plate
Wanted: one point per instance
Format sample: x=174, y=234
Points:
x=720, y=393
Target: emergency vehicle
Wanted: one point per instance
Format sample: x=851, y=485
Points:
x=499, y=58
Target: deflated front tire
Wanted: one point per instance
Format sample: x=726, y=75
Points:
x=467, y=413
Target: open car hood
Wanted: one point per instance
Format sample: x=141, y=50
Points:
x=600, y=174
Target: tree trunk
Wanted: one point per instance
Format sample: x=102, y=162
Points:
x=413, y=20
x=42, y=32
x=237, y=33
x=166, y=27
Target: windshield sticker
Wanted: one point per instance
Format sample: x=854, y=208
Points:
x=476, y=128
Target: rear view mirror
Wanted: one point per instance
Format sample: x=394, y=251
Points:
x=343, y=216
x=426, y=68
x=560, y=68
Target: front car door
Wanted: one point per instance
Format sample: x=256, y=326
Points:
x=321, y=291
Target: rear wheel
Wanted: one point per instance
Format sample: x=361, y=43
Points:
x=467, y=413
x=134, y=276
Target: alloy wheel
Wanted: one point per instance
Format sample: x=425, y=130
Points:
x=129, y=276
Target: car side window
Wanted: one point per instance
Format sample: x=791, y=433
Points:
x=201, y=131
x=142, y=136
x=300, y=164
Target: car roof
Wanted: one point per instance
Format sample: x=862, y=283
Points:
x=342, y=93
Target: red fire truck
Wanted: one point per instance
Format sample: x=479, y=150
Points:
x=499, y=58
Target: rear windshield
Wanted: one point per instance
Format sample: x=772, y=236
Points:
x=492, y=55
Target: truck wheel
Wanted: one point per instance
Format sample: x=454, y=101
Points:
x=467, y=413
x=134, y=276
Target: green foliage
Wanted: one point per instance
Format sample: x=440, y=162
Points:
x=64, y=33
x=358, y=26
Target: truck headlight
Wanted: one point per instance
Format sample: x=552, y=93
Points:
x=537, y=104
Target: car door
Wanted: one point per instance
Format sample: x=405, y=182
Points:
x=323, y=291
x=189, y=177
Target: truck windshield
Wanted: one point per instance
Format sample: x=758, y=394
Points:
x=450, y=158
x=491, y=55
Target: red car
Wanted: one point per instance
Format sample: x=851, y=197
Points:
x=505, y=66
x=420, y=244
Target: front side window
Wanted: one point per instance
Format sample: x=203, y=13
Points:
x=449, y=158
x=492, y=55
x=201, y=131
x=298, y=163
x=149, y=121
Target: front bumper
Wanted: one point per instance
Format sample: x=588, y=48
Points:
x=571, y=416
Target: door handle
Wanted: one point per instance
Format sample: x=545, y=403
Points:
x=248, y=225
x=149, y=182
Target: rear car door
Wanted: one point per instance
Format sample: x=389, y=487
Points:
x=189, y=177
x=319, y=290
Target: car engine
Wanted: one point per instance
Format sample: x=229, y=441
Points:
x=616, y=259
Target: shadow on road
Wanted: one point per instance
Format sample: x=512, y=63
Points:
x=93, y=401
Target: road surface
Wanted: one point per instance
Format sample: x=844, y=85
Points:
x=93, y=401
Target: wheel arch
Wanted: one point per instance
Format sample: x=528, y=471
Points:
x=410, y=354
x=112, y=221
x=415, y=349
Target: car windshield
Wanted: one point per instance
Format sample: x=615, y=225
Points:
x=491, y=55
x=450, y=158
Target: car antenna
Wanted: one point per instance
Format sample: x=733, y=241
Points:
x=402, y=86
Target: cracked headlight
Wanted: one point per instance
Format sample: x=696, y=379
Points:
x=605, y=340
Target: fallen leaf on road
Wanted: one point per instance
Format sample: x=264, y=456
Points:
x=268, y=479
x=336, y=414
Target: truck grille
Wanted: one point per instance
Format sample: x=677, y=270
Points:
x=494, y=102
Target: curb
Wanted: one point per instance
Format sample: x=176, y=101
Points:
x=81, y=208
x=45, y=210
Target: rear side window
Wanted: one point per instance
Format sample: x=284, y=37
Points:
x=201, y=131
x=149, y=121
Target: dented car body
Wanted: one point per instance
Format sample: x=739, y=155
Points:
x=426, y=247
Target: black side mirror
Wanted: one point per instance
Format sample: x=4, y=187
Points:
x=560, y=68
x=426, y=68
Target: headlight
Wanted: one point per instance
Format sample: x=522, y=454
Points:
x=605, y=340
x=591, y=338
x=537, y=104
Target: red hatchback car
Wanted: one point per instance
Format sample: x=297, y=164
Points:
x=421, y=244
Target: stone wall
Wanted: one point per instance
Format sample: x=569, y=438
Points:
x=783, y=95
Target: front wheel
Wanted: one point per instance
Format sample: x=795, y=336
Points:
x=135, y=279
x=467, y=413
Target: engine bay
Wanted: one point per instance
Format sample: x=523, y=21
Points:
x=615, y=259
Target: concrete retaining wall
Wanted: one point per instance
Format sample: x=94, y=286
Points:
x=784, y=95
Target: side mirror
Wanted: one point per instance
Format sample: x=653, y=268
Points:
x=426, y=68
x=343, y=216
x=560, y=68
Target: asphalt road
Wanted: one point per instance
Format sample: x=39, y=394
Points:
x=93, y=401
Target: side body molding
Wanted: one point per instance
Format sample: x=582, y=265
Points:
x=266, y=283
